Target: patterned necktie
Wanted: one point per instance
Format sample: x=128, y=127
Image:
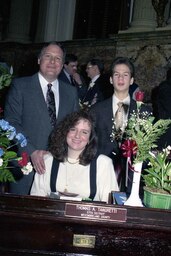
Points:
x=50, y=100
x=119, y=116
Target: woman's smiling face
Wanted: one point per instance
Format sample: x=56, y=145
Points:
x=79, y=135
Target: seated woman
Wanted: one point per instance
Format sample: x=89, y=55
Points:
x=72, y=165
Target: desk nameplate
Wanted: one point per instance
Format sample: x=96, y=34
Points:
x=86, y=211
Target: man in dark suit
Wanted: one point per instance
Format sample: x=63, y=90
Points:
x=122, y=76
x=70, y=75
x=26, y=109
x=94, y=92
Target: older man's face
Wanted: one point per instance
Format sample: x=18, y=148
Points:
x=51, y=62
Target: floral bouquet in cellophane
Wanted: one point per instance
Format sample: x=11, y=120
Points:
x=8, y=140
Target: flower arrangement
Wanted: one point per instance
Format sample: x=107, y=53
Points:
x=7, y=135
x=85, y=105
x=5, y=81
x=140, y=138
x=142, y=133
x=91, y=85
x=5, y=77
x=158, y=177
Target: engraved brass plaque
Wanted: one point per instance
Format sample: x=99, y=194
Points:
x=85, y=211
x=87, y=241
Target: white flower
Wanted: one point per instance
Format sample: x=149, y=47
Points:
x=152, y=154
x=167, y=150
x=27, y=169
x=94, y=99
x=11, y=70
x=91, y=85
x=1, y=161
x=86, y=103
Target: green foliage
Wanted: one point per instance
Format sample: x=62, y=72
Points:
x=142, y=129
x=5, y=77
x=10, y=155
x=4, y=141
x=6, y=175
x=8, y=140
x=158, y=175
x=144, y=133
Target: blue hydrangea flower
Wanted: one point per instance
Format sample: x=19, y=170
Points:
x=21, y=139
x=8, y=139
x=4, y=125
x=11, y=132
x=1, y=152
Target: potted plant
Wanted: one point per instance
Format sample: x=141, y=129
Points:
x=141, y=135
x=157, y=190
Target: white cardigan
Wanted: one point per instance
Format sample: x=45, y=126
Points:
x=75, y=178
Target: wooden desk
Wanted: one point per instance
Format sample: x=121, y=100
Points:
x=41, y=226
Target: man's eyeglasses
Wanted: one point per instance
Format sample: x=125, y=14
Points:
x=89, y=66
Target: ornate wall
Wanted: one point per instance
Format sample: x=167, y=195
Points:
x=149, y=51
x=151, y=55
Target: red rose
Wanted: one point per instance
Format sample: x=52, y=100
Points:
x=139, y=96
x=23, y=162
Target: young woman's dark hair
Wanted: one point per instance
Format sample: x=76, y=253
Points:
x=58, y=144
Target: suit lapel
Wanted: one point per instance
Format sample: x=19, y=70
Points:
x=132, y=107
x=109, y=113
x=63, y=100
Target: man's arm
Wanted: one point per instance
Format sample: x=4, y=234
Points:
x=13, y=113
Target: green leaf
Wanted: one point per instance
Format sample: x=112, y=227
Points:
x=10, y=155
x=6, y=175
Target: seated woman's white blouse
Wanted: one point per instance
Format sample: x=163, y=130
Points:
x=75, y=178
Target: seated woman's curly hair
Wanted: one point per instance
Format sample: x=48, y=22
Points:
x=57, y=142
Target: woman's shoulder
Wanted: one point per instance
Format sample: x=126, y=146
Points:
x=104, y=158
x=48, y=157
x=104, y=165
x=48, y=160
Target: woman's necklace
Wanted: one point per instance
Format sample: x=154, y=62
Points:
x=76, y=162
